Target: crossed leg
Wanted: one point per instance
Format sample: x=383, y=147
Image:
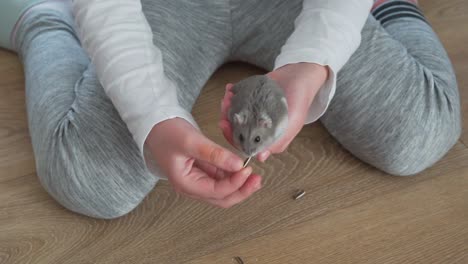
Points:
x=85, y=156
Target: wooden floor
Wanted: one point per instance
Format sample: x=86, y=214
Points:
x=351, y=214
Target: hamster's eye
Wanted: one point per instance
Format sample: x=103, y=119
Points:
x=241, y=138
x=257, y=139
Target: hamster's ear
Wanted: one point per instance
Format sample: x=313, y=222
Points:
x=240, y=118
x=265, y=121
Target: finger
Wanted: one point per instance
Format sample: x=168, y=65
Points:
x=229, y=87
x=182, y=183
x=283, y=142
x=281, y=145
x=251, y=185
x=229, y=185
x=229, y=93
x=211, y=170
x=204, y=149
x=227, y=130
x=263, y=156
x=226, y=104
x=218, y=189
x=274, y=149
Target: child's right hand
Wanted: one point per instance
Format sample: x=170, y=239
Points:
x=199, y=168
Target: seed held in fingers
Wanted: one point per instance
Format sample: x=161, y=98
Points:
x=246, y=162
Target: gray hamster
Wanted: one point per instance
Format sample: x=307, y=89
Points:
x=258, y=114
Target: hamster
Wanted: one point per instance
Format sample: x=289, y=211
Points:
x=258, y=114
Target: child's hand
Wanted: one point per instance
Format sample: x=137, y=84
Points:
x=197, y=167
x=300, y=82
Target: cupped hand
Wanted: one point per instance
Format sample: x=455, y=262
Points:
x=197, y=167
x=300, y=82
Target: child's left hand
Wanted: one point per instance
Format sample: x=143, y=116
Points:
x=300, y=82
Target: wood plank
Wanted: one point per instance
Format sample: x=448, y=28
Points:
x=423, y=224
x=16, y=157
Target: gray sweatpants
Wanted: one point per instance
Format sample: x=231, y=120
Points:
x=396, y=106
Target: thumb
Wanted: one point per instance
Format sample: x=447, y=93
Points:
x=206, y=150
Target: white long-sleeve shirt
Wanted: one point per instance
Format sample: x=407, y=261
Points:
x=119, y=41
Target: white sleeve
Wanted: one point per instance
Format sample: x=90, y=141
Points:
x=119, y=40
x=327, y=32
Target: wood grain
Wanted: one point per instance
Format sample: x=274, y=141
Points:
x=351, y=212
x=15, y=148
x=407, y=226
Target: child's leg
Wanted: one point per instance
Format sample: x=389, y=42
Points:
x=396, y=105
x=85, y=156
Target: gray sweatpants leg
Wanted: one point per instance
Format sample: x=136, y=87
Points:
x=396, y=105
x=85, y=156
x=79, y=140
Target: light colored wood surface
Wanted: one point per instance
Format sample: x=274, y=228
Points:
x=15, y=148
x=406, y=226
x=350, y=214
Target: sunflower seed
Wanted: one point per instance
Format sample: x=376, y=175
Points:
x=239, y=260
x=299, y=195
x=246, y=162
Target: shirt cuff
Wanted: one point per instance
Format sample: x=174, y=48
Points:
x=326, y=92
x=322, y=99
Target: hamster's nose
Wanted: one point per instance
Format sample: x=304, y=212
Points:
x=250, y=151
x=246, y=150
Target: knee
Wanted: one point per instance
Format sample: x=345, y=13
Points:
x=415, y=148
x=40, y=20
x=88, y=162
x=405, y=125
x=92, y=178
x=89, y=175
x=403, y=165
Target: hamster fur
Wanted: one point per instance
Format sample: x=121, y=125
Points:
x=258, y=114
